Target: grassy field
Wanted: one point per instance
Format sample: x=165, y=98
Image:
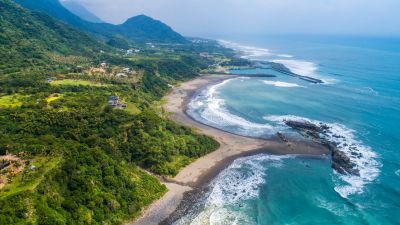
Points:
x=30, y=178
x=54, y=97
x=131, y=108
x=71, y=82
x=12, y=101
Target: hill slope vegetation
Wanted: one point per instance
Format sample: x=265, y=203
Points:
x=138, y=29
x=78, y=159
x=27, y=38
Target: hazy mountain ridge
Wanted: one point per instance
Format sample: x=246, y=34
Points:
x=81, y=11
x=137, y=29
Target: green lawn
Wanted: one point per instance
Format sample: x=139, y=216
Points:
x=54, y=97
x=12, y=101
x=29, y=179
x=72, y=82
x=131, y=108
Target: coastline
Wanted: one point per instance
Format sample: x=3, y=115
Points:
x=197, y=175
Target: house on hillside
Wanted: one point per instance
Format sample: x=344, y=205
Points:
x=114, y=102
x=121, y=75
x=50, y=79
x=97, y=70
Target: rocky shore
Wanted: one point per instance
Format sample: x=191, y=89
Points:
x=194, y=179
x=281, y=69
x=340, y=161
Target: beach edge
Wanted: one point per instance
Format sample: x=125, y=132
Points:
x=200, y=173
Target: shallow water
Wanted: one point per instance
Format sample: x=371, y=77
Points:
x=360, y=100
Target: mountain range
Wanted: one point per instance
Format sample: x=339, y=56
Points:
x=79, y=10
x=140, y=29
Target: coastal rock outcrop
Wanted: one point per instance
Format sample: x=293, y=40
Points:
x=341, y=163
x=283, y=69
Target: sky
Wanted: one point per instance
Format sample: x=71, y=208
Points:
x=218, y=17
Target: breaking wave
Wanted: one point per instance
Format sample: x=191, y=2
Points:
x=240, y=182
x=300, y=67
x=247, y=52
x=280, y=84
x=209, y=108
x=364, y=158
x=285, y=56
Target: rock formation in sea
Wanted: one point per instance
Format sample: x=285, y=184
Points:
x=341, y=163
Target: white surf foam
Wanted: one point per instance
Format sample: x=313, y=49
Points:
x=337, y=209
x=281, y=84
x=212, y=109
x=241, y=181
x=304, y=68
x=364, y=158
x=301, y=67
x=248, y=52
x=285, y=56
x=367, y=90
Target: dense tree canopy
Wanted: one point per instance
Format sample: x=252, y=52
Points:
x=84, y=161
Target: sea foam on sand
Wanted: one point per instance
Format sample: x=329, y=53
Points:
x=212, y=110
x=237, y=183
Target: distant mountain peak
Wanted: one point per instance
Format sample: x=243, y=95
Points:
x=81, y=11
x=143, y=18
x=155, y=29
x=140, y=28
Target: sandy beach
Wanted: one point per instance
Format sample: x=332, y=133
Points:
x=202, y=171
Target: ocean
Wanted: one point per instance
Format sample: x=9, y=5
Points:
x=359, y=102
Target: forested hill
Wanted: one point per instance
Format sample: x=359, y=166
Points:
x=81, y=125
x=144, y=27
x=33, y=38
x=138, y=29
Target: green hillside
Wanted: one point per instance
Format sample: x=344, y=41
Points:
x=35, y=39
x=66, y=155
x=137, y=29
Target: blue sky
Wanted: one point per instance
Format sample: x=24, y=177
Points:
x=207, y=17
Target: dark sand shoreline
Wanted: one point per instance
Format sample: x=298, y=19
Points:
x=195, y=178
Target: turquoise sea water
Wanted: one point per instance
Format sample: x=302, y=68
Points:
x=360, y=100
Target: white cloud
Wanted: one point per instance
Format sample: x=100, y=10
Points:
x=196, y=17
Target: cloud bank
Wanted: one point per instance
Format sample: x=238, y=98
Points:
x=202, y=17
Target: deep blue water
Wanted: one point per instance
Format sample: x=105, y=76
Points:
x=359, y=100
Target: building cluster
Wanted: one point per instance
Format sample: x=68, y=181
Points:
x=114, y=102
x=123, y=73
x=132, y=51
x=10, y=166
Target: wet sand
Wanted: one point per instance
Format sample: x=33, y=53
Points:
x=198, y=174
